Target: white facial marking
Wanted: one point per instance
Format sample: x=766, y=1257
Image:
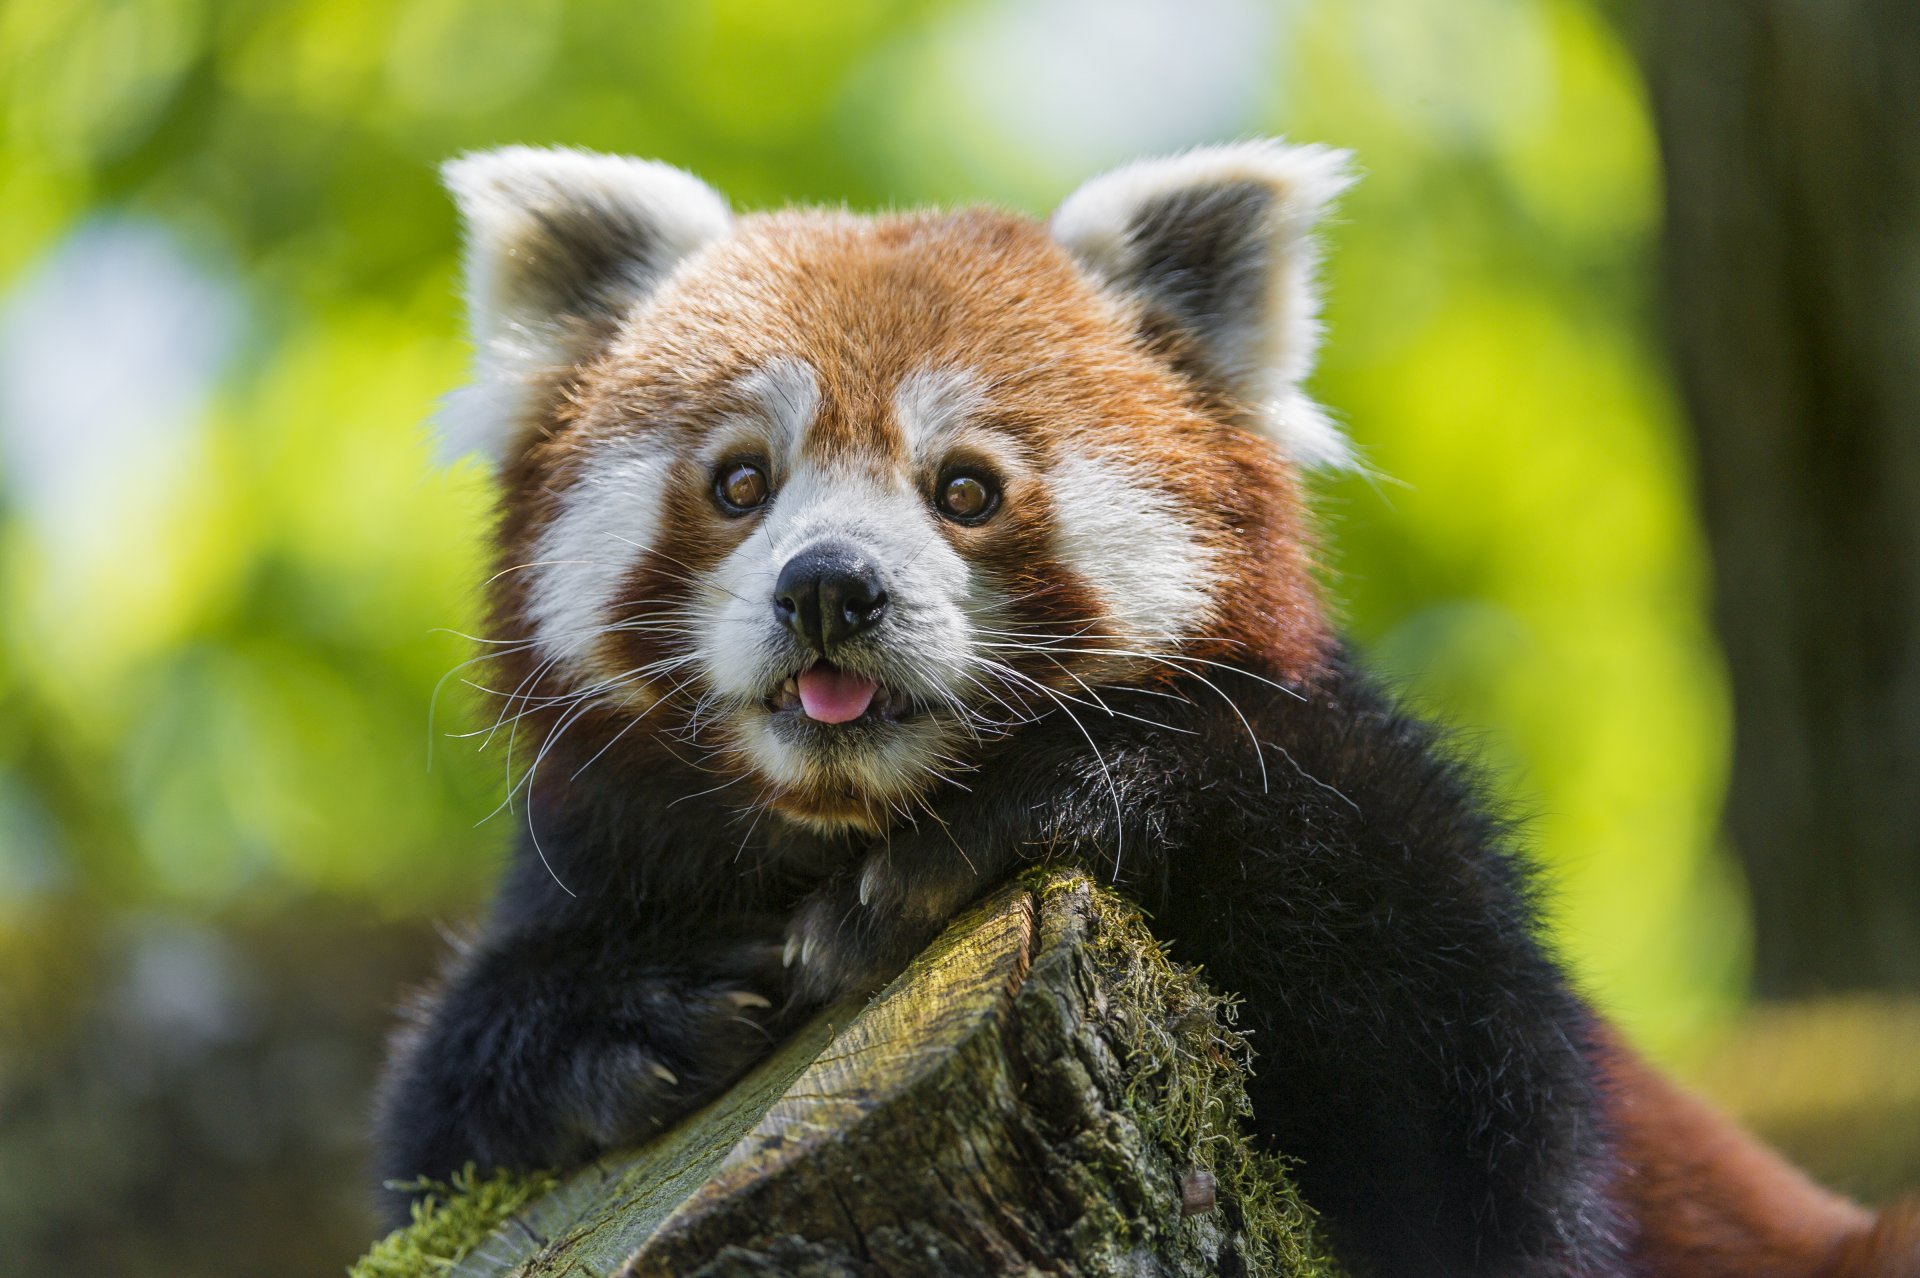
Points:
x=606, y=522
x=785, y=394
x=780, y=399
x=1125, y=537
x=932, y=403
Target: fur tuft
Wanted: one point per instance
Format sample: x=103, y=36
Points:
x=1217, y=244
x=560, y=245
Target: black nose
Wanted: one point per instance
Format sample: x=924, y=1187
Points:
x=827, y=593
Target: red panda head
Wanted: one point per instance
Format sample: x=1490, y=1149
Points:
x=828, y=503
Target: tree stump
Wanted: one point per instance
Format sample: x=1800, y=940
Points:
x=1041, y=1093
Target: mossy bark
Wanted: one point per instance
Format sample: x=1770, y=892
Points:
x=1042, y=1092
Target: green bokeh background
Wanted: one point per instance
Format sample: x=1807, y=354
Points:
x=231, y=571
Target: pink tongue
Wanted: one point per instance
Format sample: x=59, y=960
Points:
x=834, y=696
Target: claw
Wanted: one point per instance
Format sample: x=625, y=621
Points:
x=744, y=1000
x=791, y=952
x=664, y=1074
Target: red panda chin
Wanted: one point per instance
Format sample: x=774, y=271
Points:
x=829, y=812
x=862, y=773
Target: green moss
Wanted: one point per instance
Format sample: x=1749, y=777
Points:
x=1190, y=1067
x=449, y=1220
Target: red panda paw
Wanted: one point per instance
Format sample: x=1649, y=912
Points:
x=1889, y=1248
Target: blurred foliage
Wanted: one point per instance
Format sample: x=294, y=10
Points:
x=1829, y=1082
x=230, y=575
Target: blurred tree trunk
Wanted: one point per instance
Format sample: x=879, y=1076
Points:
x=1791, y=135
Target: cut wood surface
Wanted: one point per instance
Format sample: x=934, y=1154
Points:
x=1041, y=1092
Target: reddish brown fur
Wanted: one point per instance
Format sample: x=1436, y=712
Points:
x=1710, y=1201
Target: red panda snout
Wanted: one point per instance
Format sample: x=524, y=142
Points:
x=828, y=593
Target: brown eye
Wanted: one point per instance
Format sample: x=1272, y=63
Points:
x=967, y=497
x=740, y=487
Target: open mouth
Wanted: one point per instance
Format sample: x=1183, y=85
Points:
x=825, y=693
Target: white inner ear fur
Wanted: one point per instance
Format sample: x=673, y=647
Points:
x=1264, y=355
x=515, y=266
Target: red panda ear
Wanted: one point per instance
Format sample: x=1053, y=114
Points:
x=560, y=245
x=1217, y=245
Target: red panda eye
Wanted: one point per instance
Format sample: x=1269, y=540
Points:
x=741, y=487
x=967, y=497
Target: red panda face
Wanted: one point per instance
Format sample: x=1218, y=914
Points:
x=828, y=504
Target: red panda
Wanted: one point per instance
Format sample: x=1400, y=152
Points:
x=848, y=564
